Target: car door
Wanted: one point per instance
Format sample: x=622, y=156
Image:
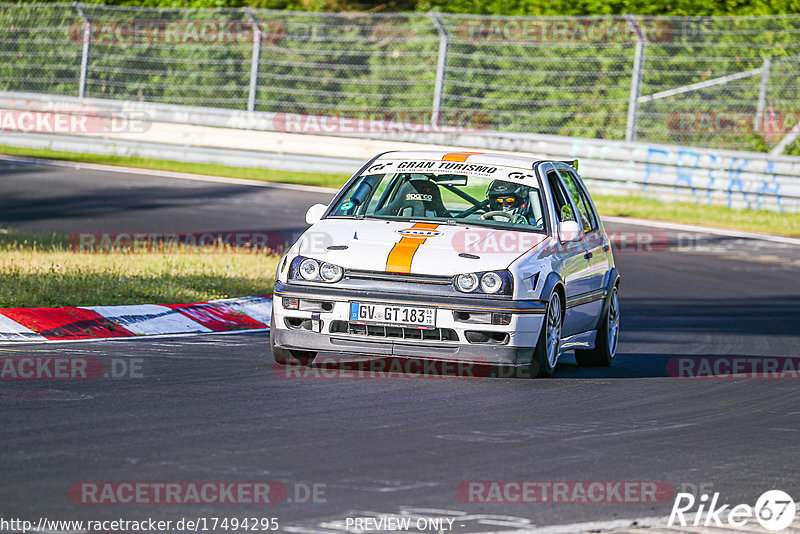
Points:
x=597, y=249
x=597, y=245
x=574, y=266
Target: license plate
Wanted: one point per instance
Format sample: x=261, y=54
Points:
x=391, y=315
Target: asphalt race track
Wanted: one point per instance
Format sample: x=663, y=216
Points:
x=210, y=408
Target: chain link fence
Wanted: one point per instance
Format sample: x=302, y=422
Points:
x=710, y=82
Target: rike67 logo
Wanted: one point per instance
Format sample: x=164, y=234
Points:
x=774, y=510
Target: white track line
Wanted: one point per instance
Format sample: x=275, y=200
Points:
x=5, y=344
x=704, y=229
x=601, y=526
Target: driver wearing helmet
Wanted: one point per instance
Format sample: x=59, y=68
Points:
x=507, y=201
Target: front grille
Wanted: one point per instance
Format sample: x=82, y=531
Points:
x=393, y=332
x=398, y=277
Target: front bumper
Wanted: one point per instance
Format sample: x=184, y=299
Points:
x=322, y=325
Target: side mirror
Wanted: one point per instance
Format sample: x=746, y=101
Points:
x=315, y=213
x=570, y=231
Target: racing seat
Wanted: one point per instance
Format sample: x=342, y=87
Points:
x=416, y=198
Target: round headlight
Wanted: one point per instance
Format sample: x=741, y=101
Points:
x=491, y=282
x=467, y=282
x=309, y=269
x=330, y=272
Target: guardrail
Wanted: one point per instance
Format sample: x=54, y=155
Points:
x=334, y=144
x=715, y=82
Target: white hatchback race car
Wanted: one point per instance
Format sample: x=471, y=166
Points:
x=459, y=257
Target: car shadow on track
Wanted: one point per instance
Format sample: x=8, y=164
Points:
x=626, y=365
x=775, y=316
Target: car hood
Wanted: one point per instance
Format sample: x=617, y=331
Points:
x=419, y=248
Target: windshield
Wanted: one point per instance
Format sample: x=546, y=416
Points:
x=444, y=197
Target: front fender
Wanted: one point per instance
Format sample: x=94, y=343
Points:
x=553, y=279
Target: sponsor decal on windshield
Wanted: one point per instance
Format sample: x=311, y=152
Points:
x=449, y=166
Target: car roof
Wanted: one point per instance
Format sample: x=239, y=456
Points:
x=486, y=158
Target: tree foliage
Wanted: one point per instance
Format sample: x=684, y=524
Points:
x=501, y=7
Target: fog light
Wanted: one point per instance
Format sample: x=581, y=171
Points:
x=501, y=318
x=476, y=337
x=291, y=304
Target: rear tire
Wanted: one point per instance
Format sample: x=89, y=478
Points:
x=545, y=355
x=286, y=356
x=605, y=346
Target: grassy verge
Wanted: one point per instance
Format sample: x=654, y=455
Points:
x=771, y=222
x=625, y=206
x=40, y=270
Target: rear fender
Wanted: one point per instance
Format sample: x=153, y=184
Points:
x=613, y=280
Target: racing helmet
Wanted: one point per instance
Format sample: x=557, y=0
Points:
x=507, y=196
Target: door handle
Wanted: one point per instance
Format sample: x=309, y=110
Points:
x=588, y=255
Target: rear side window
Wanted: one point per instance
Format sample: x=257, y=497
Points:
x=587, y=216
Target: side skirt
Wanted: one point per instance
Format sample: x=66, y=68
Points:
x=583, y=340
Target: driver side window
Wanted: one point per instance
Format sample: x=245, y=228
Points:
x=560, y=198
x=588, y=219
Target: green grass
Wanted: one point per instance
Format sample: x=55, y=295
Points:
x=793, y=149
x=787, y=224
x=41, y=270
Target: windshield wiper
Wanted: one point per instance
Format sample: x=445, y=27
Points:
x=380, y=218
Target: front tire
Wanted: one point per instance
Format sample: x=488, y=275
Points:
x=286, y=356
x=605, y=347
x=545, y=355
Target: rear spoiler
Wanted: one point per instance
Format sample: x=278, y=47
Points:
x=573, y=163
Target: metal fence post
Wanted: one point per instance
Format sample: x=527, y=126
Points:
x=762, y=96
x=441, y=64
x=251, y=97
x=87, y=39
x=636, y=79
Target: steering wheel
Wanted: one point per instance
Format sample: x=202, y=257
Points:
x=515, y=219
x=495, y=213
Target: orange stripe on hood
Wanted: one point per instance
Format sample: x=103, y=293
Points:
x=399, y=260
x=458, y=156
